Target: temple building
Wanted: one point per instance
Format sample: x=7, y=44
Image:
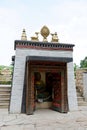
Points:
x=43, y=76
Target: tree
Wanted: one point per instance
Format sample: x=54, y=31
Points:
x=83, y=63
x=2, y=67
x=75, y=68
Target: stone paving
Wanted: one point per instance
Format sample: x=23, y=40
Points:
x=44, y=119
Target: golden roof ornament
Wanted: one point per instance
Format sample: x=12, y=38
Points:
x=35, y=38
x=45, y=33
x=54, y=37
x=24, y=37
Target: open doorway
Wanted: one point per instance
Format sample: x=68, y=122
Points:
x=45, y=87
x=47, y=90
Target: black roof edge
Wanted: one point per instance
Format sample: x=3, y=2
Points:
x=53, y=59
x=41, y=42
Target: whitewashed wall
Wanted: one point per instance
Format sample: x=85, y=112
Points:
x=72, y=96
x=19, y=71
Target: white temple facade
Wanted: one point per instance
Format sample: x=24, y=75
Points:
x=43, y=75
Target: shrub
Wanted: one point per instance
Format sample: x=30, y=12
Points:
x=6, y=82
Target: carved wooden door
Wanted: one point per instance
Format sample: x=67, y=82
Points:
x=56, y=92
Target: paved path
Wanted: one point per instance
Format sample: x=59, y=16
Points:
x=44, y=119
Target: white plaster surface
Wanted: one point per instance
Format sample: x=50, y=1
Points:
x=19, y=71
x=72, y=97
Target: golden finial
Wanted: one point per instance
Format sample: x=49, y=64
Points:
x=24, y=37
x=35, y=38
x=54, y=37
x=45, y=33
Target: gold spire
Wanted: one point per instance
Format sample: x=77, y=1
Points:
x=24, y=37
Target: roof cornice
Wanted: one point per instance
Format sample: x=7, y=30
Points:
x=42, y=45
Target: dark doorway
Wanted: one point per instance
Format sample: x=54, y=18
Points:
x=52, y=91
x=47, y=90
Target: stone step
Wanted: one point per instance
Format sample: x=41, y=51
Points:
x=4, y=106
x=5, y=96
x=5, y=85
x=5, y=92
x=5, y=88
x=80, y=99
x=78, y=94
x=4, y=101
x=82, y=103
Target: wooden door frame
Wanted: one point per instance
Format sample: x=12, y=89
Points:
x=30, y=85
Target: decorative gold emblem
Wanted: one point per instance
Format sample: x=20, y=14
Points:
x=45, y=32
x=54, y=37
x=35, y=38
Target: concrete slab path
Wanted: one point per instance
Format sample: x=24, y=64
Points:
x=44, y=119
